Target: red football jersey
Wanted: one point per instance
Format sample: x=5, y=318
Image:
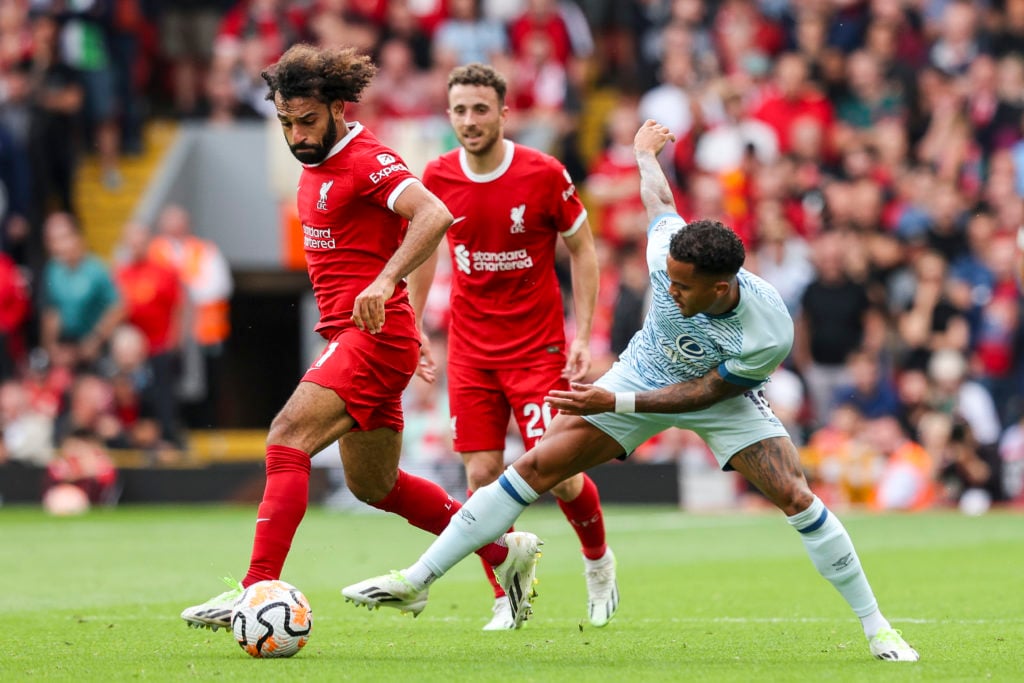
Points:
x=350, y=230
x=506, y=306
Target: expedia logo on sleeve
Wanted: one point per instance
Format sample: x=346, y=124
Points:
x=383, y=173
x=385, y=159
x=689, y=348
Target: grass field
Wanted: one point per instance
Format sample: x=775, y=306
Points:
x=704, y=598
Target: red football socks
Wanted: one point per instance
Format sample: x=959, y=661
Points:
x=284, y=505
x=584, y=513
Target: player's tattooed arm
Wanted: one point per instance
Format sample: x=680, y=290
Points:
x=683, y=397
x=655, y=192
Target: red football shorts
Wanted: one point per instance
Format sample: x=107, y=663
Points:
x=481, y=401
x=369, y=372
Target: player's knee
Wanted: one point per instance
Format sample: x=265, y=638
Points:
x=569, y=489
x=480, y=472
x=283, y=431
x=796, y=497
x=540, y=478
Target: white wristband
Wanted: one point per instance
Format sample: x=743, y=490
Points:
x=1020, y=237
x=625, y=402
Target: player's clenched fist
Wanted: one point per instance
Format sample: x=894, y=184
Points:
x=652, y=137
x=368, y=308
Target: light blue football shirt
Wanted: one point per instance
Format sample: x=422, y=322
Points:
x=746, y=344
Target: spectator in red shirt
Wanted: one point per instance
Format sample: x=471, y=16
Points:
x=280, y=25
x=793, y=98
x=153, y=296
x=613, y=185
x=541, y=16
x=14, y=310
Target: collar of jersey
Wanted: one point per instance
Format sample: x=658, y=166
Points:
x=354, y=129
x=510, y=150
x=730, y=313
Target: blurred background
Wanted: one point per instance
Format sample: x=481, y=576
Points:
x=155, y=312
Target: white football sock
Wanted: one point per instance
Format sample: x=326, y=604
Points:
x=832, y=553
x=873, y=623
x=490, y=511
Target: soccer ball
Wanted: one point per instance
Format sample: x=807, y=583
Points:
x=272, y=619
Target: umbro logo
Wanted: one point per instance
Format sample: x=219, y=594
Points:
x=843, y=562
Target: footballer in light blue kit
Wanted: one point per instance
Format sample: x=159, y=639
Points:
x=745, y=345
x=712, y=337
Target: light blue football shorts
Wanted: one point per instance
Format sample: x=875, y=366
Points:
x=726, y=427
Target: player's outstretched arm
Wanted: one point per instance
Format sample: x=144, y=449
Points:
x=654, y=188
x=428, y=219
x=682, y=397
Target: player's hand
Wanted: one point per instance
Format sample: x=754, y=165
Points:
x=368, y=310
x=652, y=137
x=581, y=399
x=427, y=368
x=578, y=363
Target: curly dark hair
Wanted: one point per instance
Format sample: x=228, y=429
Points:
x=479, y=74
x=710, y=246
x=327, y=74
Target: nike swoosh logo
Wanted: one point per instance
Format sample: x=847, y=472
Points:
x=262, y=519
x=458, y=220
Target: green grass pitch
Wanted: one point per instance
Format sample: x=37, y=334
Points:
x=704, y=598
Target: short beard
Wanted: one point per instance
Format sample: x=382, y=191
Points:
x=314, y=154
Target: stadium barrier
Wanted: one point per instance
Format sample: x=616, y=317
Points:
x=242, y=482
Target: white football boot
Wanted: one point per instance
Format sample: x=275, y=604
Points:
x=502, y=619
x=389, y=590
x=602, y=590
x=215, y=613
x=888, y=644
x=517, y=574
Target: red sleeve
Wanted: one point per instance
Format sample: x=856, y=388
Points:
x=567, y=209
x=380, y=175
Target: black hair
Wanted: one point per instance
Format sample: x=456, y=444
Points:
x=327, y=75
x=710, y=246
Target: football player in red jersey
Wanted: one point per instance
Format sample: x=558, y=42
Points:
x=507, y=345
x=367, y=222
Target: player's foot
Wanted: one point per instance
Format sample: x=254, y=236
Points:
x=888, y=644
x=389, y=590
x=602, y=590
x=215, y=613
x=502, y=619
x=517, y=574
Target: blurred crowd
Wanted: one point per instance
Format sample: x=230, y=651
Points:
x=870, y=154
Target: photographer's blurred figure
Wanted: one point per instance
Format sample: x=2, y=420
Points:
x=82, y=462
